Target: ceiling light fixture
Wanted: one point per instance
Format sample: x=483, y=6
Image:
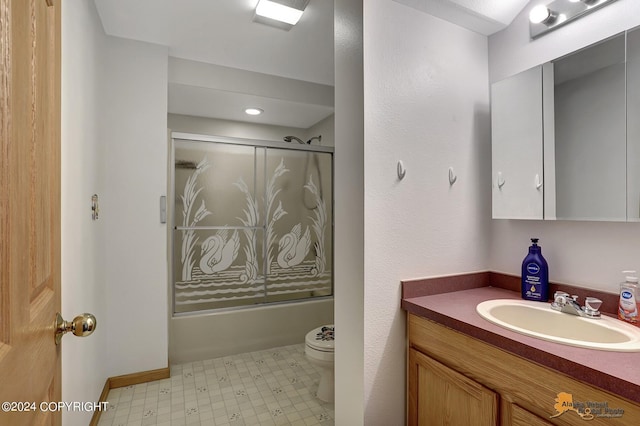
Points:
x=280, y=13
x=544, y=18
x=253, y=111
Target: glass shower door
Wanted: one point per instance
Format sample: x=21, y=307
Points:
x=218, y=232
x=252, y=225
x=300, y=240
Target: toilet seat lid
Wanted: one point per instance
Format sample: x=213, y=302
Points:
x=321, y=338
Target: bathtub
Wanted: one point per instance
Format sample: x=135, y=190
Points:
x=215, y=334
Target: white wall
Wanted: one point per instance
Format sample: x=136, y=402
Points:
x=349, y=214
x=427, y=104
x=607, y=248
x=217, y=77
x=83, y=284
x=326, y=128
x=113, y=144
x=134, y=126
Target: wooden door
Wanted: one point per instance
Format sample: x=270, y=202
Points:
x=29, y=209
x=441, y=396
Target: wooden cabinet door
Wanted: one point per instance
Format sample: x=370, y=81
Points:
x=516, y=146
x=439, y=395
x=521, y=417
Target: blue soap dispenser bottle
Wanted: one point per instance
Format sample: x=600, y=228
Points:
x=535, y=274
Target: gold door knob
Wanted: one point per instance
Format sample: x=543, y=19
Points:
x=81, y=326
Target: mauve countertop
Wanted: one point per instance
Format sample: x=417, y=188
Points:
x=617, y=372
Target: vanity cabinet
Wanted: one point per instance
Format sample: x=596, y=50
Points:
x=455, y=379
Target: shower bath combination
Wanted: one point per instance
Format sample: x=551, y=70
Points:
x=251, y=223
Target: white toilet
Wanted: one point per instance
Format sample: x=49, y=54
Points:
x=319, y=348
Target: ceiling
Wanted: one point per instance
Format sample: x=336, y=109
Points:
x=222, y=32
x=482, y=16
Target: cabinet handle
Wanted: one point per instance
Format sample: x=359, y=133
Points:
x=538, y=182
x=501, y=180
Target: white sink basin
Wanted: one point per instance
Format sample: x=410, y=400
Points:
x=537, y=319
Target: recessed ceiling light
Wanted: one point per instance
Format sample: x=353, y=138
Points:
x=253, y=111
x=278, y=11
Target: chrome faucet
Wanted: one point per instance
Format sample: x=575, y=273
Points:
x=569, y=305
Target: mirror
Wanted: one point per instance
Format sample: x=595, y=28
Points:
x=633, y=125
x=590, y=133
x=588, y=138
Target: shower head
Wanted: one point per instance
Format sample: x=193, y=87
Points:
x=319, y=137
x=289, y=138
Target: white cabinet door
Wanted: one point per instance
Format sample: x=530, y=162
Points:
x=517, y=141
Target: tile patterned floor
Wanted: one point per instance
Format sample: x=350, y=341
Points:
x=264, y=388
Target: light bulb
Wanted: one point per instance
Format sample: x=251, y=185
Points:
x=539, y=14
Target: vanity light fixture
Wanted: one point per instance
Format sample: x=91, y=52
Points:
x=544, y=18
x=253, y=111
x=283, y=14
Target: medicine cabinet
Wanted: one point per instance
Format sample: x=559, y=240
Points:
x=516, y=151
x=565, y=140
